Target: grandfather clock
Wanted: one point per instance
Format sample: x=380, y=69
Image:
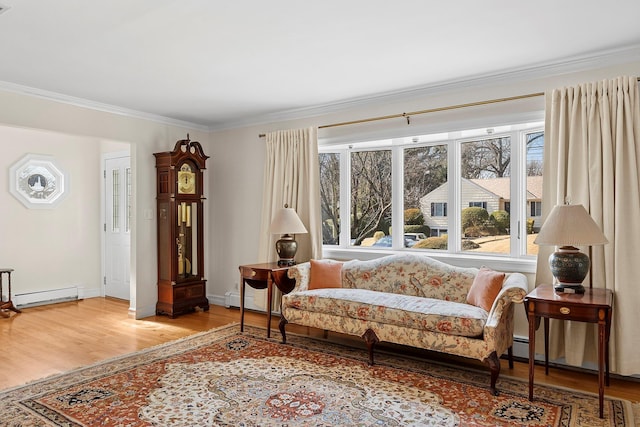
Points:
x=179, y=195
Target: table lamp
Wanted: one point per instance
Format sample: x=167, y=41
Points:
x=568, y=226
x=287, y=222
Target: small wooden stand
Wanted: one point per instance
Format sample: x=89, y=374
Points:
x=593, y=306
x=263, y=276
x=8, y=304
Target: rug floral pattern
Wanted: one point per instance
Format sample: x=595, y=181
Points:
x=224, y=378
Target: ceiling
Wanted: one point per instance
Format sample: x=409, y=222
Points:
x=217, y=64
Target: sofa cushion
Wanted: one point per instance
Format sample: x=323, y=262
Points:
x=325, y=274
x=485, y=288
x=420, y=313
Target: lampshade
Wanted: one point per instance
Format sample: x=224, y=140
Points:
x=570, y=225
x=566, y=226
x=287, y=221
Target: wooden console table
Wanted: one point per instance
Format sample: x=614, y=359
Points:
x=8, y=304
x=263, y=276
x=594, y=306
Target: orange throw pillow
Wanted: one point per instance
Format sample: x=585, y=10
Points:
x=485, y=288
x=325, y=274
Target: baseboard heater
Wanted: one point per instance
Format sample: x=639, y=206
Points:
x=232, y=299
x=51, y=296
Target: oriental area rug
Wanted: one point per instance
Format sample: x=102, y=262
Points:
x=227, y=378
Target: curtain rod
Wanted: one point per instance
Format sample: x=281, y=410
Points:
x=407, y=116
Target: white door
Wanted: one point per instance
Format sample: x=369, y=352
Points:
x=117, y=227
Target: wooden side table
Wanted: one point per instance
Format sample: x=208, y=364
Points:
x=261, y=276
x=594, y=306
x=8, y=304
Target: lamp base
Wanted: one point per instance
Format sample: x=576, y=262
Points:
x=566, y=288
x=569, y=266
x=286, y=248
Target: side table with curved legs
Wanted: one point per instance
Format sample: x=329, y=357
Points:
x=264, y=276
x=8, y=304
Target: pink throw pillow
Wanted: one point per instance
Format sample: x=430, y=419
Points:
x=485, y=288
x=325, y=274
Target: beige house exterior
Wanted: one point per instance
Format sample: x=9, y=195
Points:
x=491, y=194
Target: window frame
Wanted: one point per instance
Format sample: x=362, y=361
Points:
x=516, y=260
x=535, y=208
x=434, y=209
x=482, y=205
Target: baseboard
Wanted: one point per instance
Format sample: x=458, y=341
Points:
x=149, y=311
x=218, y=300
x=51, y=296
x=521, y=347
x=232, y=299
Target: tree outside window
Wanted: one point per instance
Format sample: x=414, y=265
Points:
x=370, y=194
x=330, y=197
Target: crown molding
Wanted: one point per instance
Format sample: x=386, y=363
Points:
x=98, y=106
x=593, y=60
x=568, y=65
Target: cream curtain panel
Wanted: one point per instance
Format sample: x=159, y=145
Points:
x=292, y=177
x=592, y=157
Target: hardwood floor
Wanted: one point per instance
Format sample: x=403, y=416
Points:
x=51, y=339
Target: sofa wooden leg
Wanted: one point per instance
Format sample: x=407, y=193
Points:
x=510, y=355
x=371, y=339
x=494, y=366
x=281, y=325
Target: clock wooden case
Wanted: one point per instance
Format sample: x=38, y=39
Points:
x=179, y=196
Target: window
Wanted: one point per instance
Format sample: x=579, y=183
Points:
x=438, y=209
x=457, y=188
x=482, y=205
x=485, y=172
x=330, y=197
x=370, y=195
x=536, y=209
x=535, y=150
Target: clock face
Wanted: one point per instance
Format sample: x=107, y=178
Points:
x=186, y=180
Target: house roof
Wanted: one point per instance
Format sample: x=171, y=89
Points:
x=501, y=187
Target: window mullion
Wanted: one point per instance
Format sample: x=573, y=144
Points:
x=454, y=208
x=345, y=198
x=397, y=193
x=518, y=216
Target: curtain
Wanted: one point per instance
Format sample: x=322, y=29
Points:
x=291, y=177
x=592, y=157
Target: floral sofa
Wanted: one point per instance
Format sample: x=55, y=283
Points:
x=408, y=299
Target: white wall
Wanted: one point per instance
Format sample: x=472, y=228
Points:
x=52, y=248
x=60, y=247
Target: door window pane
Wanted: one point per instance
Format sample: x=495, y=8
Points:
x=128, y=213
x=115, y=200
